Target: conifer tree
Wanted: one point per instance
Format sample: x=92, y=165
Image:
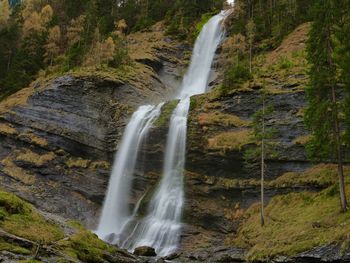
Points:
x=322, y=114
x=250, y=29
x=263, y=137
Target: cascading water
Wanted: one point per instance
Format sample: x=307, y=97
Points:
x=115, y=213
x=161, y=228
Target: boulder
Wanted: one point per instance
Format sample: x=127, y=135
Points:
x=145, y=251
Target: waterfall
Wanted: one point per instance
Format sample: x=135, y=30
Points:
x=115, y=212
x=161, y=228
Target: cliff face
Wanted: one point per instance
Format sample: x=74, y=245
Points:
x=58, y=138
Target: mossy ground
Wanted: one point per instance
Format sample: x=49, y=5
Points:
x=296, y=222
x=21, y=219
x=85, y=246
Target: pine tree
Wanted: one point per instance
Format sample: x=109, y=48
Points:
x=322, y=115
x=250, y=29
x=343, y=56
x=263, y=136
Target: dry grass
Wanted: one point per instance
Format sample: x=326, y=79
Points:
x=100, y=165
x=16, y=172
x=300, y=113
x=297, y=222
x=321, y=174
x=20, y=98
x=35, y=139
x=295, y=42
x=7, y=129
x=230, y=140
x=302, y=140
x=78, y=163
x=222, y=119
x=34, y=158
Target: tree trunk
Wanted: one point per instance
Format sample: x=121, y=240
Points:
x=262, y=218
x=342, y=193
x=250, y=58
x=336, y=130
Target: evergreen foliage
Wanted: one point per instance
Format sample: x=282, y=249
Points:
x=323, y=94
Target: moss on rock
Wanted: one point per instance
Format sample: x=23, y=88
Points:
x=234, y=140
x=165, y=115
x=296, y=222
x=85, y=246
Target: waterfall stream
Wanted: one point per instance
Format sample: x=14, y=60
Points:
x=161, y=228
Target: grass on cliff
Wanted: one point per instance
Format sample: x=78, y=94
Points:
x=85, y=246
x=20, y=218
x=222, y=119
x=296, y=222
x=234, y=140
x=166, y=113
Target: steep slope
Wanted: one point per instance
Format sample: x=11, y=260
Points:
x=58, y=136
x=29, y=235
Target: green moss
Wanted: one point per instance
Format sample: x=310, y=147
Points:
x=167, y=110
x=295, y=223
x=5, y=246
x=19, y=218
x=85, y=246
x=13, y=204
x=199, y=26
x=284, y=63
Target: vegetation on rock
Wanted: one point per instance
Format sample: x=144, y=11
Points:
x=296, y=222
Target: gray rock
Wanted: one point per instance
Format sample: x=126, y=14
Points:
x=145, y=251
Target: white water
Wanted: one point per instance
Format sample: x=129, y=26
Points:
x=161, y=228
x=116, y=212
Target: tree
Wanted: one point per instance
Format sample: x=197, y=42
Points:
x=250, y=29
x=5, y=12
x=75, y=30
x=46, y=14
x=263, y=136
x=52, y=47
x=322, y=114
x=36, y=22
x=237, y=69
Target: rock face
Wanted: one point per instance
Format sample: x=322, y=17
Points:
x=58, y=137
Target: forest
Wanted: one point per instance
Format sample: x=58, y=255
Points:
x=57, y=36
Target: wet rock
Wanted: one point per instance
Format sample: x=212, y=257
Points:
x=79, y=120
x=145, y=251
x=172, y=256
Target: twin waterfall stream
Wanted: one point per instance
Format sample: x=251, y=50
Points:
x=161, y=227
